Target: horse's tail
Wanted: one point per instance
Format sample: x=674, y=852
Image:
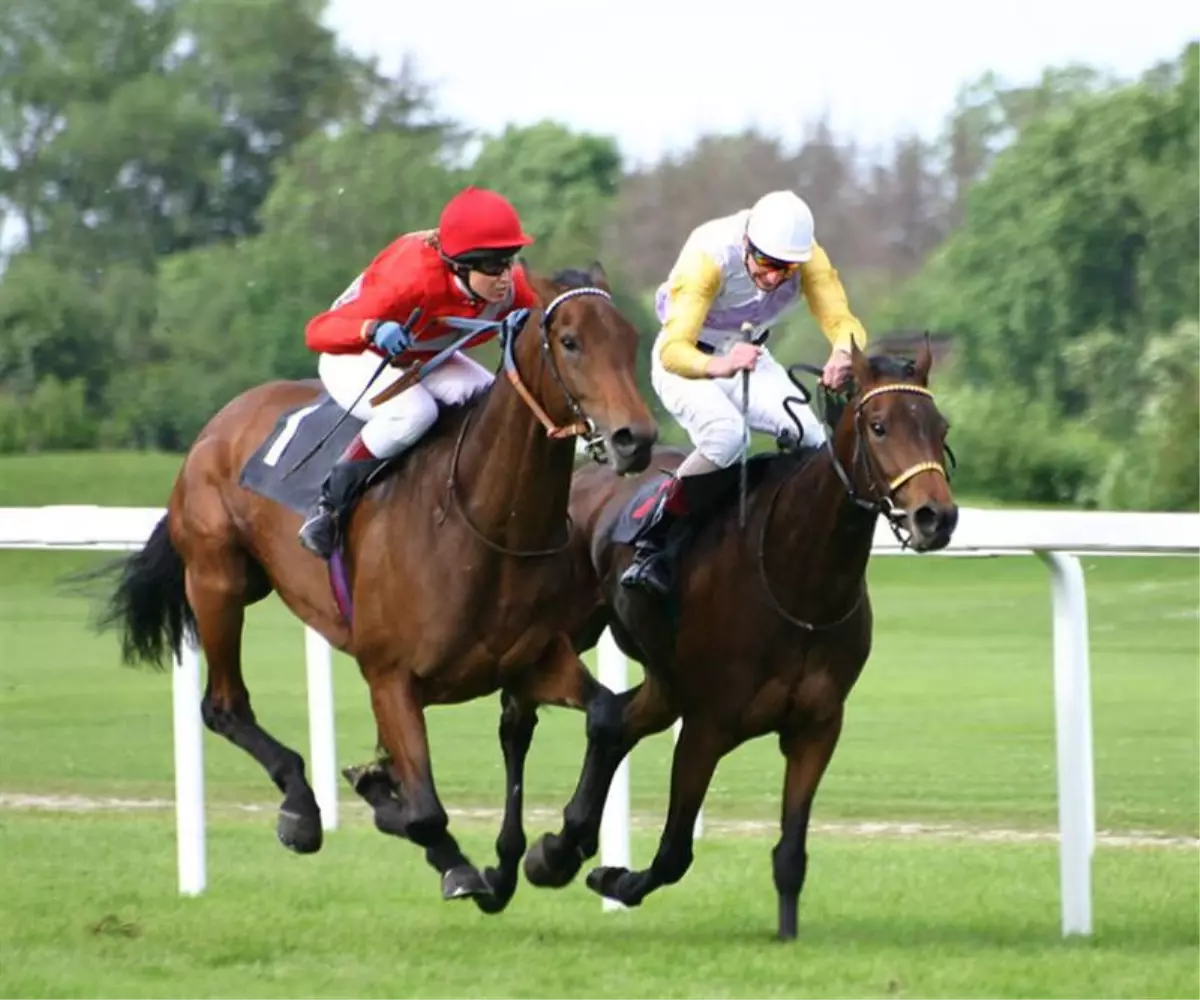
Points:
x=149, y=604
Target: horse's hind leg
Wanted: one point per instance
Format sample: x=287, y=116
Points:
x=808, y=753
x=416, y=813
x=699, y=748
x=615, y=725
x=217, y=581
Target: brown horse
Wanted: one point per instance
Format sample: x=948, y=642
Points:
x=456, y=566
x=767, y=629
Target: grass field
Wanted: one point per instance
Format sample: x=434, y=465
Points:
x=952, y=725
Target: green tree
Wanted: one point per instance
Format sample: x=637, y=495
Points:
x=134, y=133
x=561, y=182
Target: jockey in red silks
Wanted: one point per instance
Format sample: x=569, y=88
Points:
x=464, y=268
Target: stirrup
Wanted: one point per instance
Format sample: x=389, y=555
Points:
x=644, y=572
x=318, y=533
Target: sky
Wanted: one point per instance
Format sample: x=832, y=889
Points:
x=656, y=74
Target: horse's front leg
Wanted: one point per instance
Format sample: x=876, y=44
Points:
x=416, y=813
x=701, y=745
x=615, y=725
x=808, y=752
x=518, y=719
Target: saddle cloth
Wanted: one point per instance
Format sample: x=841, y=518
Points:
x=294, y=435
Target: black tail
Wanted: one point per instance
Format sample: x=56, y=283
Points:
x=150, y=604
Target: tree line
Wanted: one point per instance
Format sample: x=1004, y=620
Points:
x=188, y=181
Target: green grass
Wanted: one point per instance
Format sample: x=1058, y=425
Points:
x=90, y=912
x=952, y=723
x=112, y=478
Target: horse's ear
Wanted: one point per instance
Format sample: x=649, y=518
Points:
x=860, y=367
x=924, y=361
x=597, y=276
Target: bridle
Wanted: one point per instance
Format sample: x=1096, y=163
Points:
x=881, y=499
x=583, y=426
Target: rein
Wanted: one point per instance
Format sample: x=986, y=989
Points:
x=881, y=503
x=583, y=426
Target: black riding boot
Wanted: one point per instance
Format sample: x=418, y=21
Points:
x=341, y=488
x=651, y=569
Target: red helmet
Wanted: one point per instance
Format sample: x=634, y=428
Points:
x=478, y=219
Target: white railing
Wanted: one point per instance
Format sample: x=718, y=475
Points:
x=1057, y=537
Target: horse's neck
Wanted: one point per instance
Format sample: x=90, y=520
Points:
x=513, y=478
x=821, y=533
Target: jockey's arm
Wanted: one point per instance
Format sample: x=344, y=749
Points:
x=346, y=328
x=827, y=301
x=694, y=283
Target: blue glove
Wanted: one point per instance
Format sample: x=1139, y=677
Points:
x=391, y=338
x=513, y=322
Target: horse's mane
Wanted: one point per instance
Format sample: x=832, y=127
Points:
x=891, y=366
x=572, y=277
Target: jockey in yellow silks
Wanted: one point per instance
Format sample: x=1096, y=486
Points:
x=747, y=268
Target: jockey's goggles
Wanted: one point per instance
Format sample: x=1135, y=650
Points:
x=493, y=263
x=769, y=262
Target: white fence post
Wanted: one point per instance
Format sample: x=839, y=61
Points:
x=189, y=771
x=318, y=660
x=1073, y=734
x=614, y=824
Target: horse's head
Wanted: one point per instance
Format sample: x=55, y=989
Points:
x=897, y=439
x=589, y=367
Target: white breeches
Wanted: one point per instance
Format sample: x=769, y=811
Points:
x=710, y=410
x=399, y=423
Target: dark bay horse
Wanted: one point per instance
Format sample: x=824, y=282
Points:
x=766, y=631
x=457, y=566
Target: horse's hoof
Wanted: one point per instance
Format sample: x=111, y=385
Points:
x=363, y=777
x=355, y=773
x=464, y=882
x=372, y=782
x=501, y=888
x=605, y=881
x=542, y=872
x=300, y=832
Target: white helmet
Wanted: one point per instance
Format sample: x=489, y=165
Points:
x=781, y=226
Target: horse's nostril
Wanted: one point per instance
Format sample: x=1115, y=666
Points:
x=623, y=441
x=926, y=518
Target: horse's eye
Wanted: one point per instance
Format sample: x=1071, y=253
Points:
x=569, y=343
x=878, y=429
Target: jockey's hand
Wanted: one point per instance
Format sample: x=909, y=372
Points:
x=391, y=338
x=837, y=369
x=741, y=358
x=513, y=322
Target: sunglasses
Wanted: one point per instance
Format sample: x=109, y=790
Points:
x=770, y=263
x=492, y=264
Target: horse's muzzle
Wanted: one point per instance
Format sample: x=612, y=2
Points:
x=630, y=448
x=932, y=526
